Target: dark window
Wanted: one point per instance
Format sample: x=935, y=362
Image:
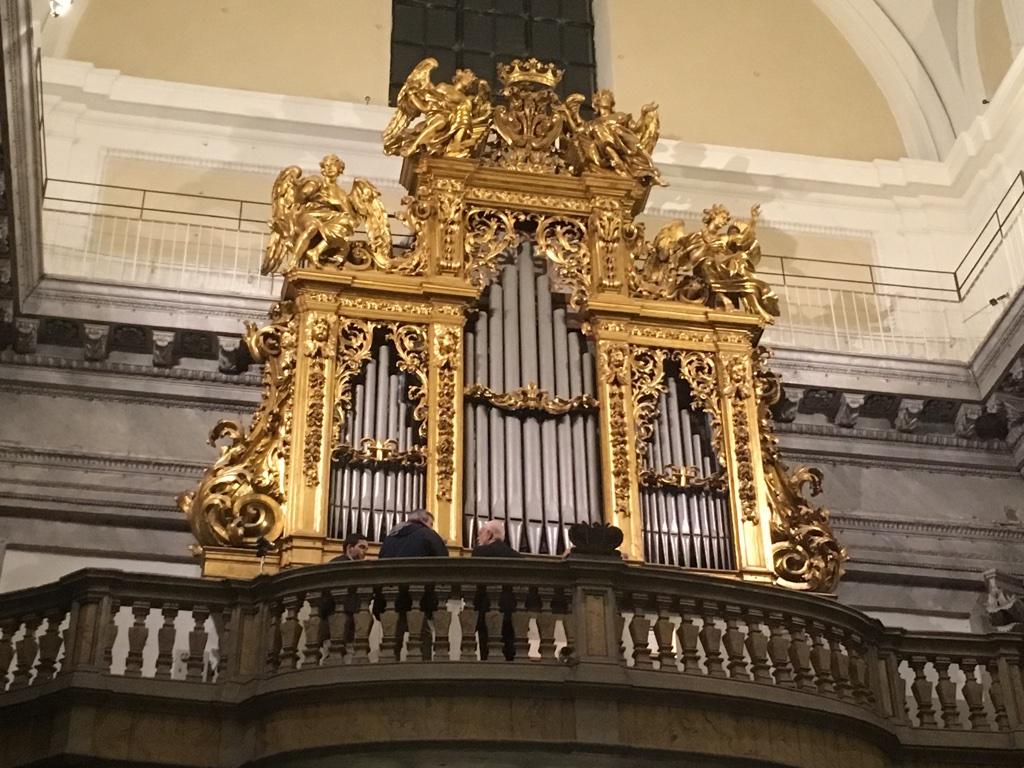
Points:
x=480, y=34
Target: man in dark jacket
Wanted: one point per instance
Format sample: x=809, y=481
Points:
x=355, y=548
x=414, y=538
x=490, y=541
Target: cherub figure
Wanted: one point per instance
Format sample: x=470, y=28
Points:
x=312, y=216
x=614, y=141
x=456, y=115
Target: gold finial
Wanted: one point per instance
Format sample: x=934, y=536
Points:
x=529, y=71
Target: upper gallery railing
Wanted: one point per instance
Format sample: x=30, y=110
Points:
x=188, y=242
x=769, y=644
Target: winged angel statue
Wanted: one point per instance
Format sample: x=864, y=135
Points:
x=313, y=221
x=456, y=115
x=715, y=265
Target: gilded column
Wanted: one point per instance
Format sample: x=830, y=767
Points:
x=444, y=432
x=618, y=440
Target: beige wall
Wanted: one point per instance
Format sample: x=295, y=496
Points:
x=993, y=43
x=767, y=75
x=331, y=49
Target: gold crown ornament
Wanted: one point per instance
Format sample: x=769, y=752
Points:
x=529, y=71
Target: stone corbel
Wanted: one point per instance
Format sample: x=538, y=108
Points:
x=26, y=334
x=966, y=418
x=849, y=410
x=907, y=416
x=165, y=349
x=232, y=357
x=95, y=341
x=785, y=410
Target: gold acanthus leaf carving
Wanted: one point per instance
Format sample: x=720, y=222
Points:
x=241, y=497
x=564, y=242
x=381, y=453
x=648, y=379
x=531, y=399
x=319, y=347
x=805, y=552
x=411, y=345
x=679, y=478
x=447, y=352
x=314, y=222
x=354, y=347
x=442, y=119
x=489, y=234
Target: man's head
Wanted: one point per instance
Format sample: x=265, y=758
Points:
x=491, y=531
x=355, y=546
x=421, y=516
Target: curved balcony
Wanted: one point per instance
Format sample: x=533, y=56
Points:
x=582, y=661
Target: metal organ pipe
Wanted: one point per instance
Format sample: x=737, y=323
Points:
x=469, y=456
x=549, y=463
x=513, y=429
x=495, y=329
x=567, y=501
x=676, y=452
x=529, y=372
x=591, y=512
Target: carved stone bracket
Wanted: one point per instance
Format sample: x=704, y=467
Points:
x=165, y=349
x=26, y=334
x=96, y=341
x=849, y=410
x=908, y=416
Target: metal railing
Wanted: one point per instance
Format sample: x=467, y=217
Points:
x=187, y=242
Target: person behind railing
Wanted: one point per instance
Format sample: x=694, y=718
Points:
x=490, y=541
x=355, y=548
x=414, y=538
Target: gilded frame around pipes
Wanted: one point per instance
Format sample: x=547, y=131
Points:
x=484, y=173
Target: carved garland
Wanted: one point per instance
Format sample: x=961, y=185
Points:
x=447, y=351
x=532, y=400
x=319, y=348
x=613, y=369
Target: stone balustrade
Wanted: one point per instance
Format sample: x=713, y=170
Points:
x=545, y=623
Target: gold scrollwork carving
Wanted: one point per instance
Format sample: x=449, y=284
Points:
x=805, y=552
x=614, y=370
x=648, y=380
x=489, y=234
x=381, y=453
x=679, y=478
x=519, y=199
x=447, y=352
x=564, y=241
x=355, y=344
x=531, y=399
x=411, y=345
x=241, y=497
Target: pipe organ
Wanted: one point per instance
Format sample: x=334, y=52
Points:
x=521, y=350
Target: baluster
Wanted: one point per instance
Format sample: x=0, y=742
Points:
x=361, y=605
x=390, y=643
x=821, y=659
x=840, y=666
x=974, y=695
x=340, y=624
x=688, y=635
x=197, y=643
x=469, y=621
x=7, y=628
x=800, y=654
x=415, y=622
x=109, y=636
x=272, y=638
x=561, y=607
x=521, y=613
x=733, y=641
x=26, y=649
x=546, y=626
x=858, y=671
x=640, y=632
x=494, y=620
x=711, y=640
x=442, y=618
x=778, y=650
x=315, y=629
x=138, y=634
x=998, y=696
x=290, y=629
x=49, y=645
x=946, y=690
x=222, y=622
x=757, y=646
x=922, y=690
x=663, y=633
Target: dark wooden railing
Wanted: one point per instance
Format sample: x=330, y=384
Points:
x=662, y=627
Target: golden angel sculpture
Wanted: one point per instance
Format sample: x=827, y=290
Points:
x=715, y=265
x=456, y=116
x=313, y=221
x=614, y=141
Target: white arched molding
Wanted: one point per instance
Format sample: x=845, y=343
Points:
x=915, y=103
x=967, y=51
x=1013, y=10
